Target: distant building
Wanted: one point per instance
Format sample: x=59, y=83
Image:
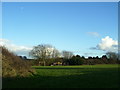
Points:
x=56, y=63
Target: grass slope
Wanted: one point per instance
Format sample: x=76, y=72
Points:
x=84, y=76
x=12, y=65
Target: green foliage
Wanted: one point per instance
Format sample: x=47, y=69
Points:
x=75, y=60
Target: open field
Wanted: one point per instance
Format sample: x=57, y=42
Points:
x=84, y=76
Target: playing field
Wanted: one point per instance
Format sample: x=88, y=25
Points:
x=84, y=76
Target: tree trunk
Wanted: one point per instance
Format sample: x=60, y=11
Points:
x=44, y=63
x=39, y=63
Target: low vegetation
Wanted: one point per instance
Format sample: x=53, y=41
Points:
x=13, y=66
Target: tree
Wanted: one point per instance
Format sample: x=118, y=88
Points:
x=105, y=59
x=55, y=53
x=83, y=57
x=90, y=57
x=112, y=55
x=97, y=57
x=119, y=55
x=78, y=56
x=76, y=60
x=67, y=54
x=43, y=52
x=24, y=57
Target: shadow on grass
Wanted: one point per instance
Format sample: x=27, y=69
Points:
x=98, y=79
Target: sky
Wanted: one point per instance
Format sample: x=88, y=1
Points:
x=85, y=28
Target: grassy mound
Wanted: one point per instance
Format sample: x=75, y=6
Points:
x=13, y=66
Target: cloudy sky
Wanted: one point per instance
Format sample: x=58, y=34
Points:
x=88, y=29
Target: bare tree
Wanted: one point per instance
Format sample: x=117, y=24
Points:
x=55, y=53
x=43, y=52
x=112, y=55
x=67, y=54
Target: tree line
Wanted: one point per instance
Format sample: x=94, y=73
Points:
x=45, y=54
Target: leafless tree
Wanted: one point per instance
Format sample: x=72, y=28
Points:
x=55, y=53
x=67, y=54
x=44, y=52
x=112, y=55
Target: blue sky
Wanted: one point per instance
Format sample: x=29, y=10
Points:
x=68, y=26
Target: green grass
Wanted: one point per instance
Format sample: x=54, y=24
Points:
x=84, y=76
x=82, y=66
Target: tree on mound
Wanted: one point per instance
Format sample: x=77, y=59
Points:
x=13, y=65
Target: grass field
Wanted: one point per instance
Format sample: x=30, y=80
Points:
x=84, y=76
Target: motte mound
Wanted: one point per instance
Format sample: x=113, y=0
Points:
x=13, y=66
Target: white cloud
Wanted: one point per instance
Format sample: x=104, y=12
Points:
x=94, y=34
x=108, y=44
x=19, y=50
